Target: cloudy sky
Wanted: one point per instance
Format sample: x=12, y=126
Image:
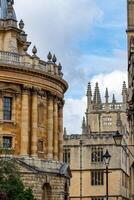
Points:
x=88, y=38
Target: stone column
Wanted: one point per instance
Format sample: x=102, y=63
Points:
x=34, y=122
x=1, y=106
x=50, y=127
x=25, y=122
x=61, y=131
x=55, y=142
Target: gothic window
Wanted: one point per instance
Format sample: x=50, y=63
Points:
x=7, y=142
x=97, y=154
x=97, y=177
x=66, y=156
x=47, y=192
x=107, y=121
x=40, y=114
x=40, y=146
x=7, y=108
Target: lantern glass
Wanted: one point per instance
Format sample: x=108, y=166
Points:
x=106, y=158
x=118, y=138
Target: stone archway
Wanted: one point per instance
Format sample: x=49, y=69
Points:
x=47, y=192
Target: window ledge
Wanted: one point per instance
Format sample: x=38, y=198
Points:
x=7, y=121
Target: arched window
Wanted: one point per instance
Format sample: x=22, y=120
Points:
x=47, y=192
x=41, y=114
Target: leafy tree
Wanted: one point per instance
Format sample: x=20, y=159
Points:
x=11, y=185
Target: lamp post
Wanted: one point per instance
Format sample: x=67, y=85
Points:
x=118, y=139
x=106, y=159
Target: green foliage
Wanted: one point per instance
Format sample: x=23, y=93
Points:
x=11, y=183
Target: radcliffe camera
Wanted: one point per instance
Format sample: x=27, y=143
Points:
x=66, y=100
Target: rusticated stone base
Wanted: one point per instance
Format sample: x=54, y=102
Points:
x=49, y=180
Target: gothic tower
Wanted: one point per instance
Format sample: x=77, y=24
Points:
x=107, y=116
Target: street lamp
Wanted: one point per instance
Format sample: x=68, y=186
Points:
x=106, y=159
x=118, y=138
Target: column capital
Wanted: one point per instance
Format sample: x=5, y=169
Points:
x=61, y=103
x=42, y=93
x=35, y=90
x=50, y=96
x=26, y=89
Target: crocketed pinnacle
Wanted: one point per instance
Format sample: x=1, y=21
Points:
x=124, y=89
x=89, y=90
x=6, y=10
x=106, y=95
x=97, y=97
x=83, y=125
x=113, y=100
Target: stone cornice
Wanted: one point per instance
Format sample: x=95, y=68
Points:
x=52, y=78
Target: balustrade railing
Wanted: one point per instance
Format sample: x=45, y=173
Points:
x=18, y=60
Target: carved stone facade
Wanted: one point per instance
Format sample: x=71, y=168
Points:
x=31, y=110
x=130, y=32
x=84, y=152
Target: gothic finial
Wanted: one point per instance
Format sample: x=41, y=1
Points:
x=113, y=100
x=10, y=2
x=83, y=126
x=97, y=97
x=54, y=59
x=34, y=51
x=21, y=24
x=124, y=88
x=49, y=56
x=59, y=67
x=106, y=95
x=89, y=90
x=65, y=131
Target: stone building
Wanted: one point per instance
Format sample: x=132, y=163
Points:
x=84, y=152
x=130, y=33
x=31, y=110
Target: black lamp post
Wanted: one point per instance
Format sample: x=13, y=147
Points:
x=106, y=159
x=119, y=141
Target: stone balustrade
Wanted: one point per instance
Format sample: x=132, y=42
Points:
x=29, y=62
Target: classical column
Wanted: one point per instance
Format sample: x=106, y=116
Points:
x=61, y=131
x=1, y=106
x=34, y=122
x=50, y=127
x=55, y=142
x=25, y=122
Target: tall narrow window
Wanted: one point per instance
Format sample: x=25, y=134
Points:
x=97, y=154
x=7, y=142
x=66, y=156
x=97, y=177
x=7, y=108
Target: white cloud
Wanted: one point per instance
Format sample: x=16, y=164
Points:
x=73, y=113
x=56, y=24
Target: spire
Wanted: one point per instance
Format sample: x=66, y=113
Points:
x=83, y=126
x=89, y=90
x=97, y=97
x=7, y=10
x=124, y=92
x=106, y=95
x=113, y=100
